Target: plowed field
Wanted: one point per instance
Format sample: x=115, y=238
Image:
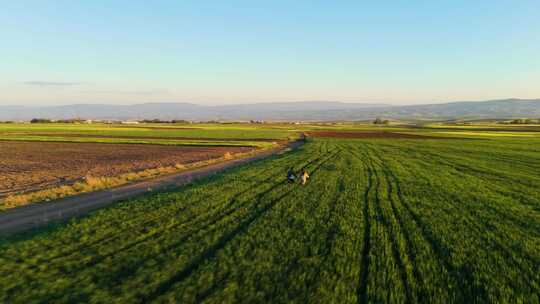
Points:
x=30, y=166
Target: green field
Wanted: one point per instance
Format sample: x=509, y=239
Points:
x=194, y=131
x=384, y=221
x=158, y=134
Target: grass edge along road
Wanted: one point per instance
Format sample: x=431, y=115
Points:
x=91, y=184
x=38, y=215
x=398, y=221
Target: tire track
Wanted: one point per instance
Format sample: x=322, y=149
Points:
x=480, y=227
x=212, y=250
x=118, y=234
x=463, y=279
x=389, y=228
x=364, y=260
x=410, y=252
x=156, y=236
x=331, y=233
x=127, y=270
x=463, y=171
x=293, y=264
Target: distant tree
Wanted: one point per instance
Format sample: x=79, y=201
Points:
x=155, y=121
x=523, y=121
x=73, y=120
x=40, y=120
x=379, y=121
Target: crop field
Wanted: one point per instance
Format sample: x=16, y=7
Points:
x=43, y=162
x=31, y=166
x=181, y=134
x=382, y=220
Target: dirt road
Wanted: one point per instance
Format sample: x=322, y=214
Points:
x=41, y=214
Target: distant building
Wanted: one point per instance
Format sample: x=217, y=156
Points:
x=130, y=122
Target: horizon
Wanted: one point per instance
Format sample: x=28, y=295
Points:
x=375, y=104
x=242, y=53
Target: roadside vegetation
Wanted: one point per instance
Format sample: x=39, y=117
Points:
x=380, y=220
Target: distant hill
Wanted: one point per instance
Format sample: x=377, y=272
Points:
x=506, y=108
x=286, y=111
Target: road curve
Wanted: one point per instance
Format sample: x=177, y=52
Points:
x=41, y=214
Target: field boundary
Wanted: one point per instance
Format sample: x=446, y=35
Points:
x=95, y=183
x=37, y=215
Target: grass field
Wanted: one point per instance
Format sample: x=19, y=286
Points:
x=381, y=220
x=164, y=132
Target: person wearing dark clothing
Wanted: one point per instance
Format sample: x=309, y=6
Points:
x=291, y=177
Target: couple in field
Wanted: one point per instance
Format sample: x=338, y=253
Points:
x=291, y=176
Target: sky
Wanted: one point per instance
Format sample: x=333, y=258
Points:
x=229, y=52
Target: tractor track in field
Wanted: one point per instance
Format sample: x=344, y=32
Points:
x=164, y=233
x=211, y=251
x=481, y=226
x=201, y=296
x=194, y=264
x=495, y=242
x=391, y=186
x=395, y=250
x=127, y=270
x=117, y=234
x=461, y=170
x=468, y=170
x=440, y=251
x=386, y=224
x=294, y=263
x=133, y=224
x=532, y=165
x=208, y=219
x=331, y=232
x=409, y=254
x=364, y=260
x=457, y=274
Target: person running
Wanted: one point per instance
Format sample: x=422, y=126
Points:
x=291, y=177
x=304, y=177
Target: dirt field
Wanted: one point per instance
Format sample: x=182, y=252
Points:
x=68, y=135
x=366, y=135
x=30, y=166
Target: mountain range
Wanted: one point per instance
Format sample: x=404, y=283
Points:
x=282, y=111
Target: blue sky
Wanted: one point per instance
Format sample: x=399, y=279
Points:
x=219, y=52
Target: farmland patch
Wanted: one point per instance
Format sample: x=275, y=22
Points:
x=379, y=221
x=31, y=166
x=376, y=134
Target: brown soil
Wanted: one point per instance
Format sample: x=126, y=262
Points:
x=377, y=134
x=30, y=166
x=71, y=135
